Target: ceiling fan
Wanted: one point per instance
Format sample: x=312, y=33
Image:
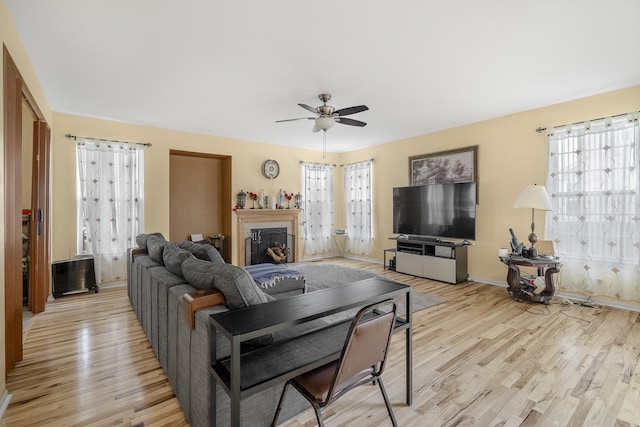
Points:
x=327, y=116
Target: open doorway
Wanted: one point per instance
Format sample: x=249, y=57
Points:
x=200, y=197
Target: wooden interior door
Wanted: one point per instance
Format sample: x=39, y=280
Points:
x=15, y=93
x=39, y=233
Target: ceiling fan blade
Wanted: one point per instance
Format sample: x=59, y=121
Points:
x=350, y=122
x=299, y=118
x=308, y=108
x=351, y=110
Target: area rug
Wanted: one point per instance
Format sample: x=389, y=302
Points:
x=322, y=276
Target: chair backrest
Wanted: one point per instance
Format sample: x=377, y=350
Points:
x=365, y=350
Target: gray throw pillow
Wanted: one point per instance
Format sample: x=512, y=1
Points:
x=141, y=239
x=155, y=246
x=202, y=251
x=235, y=283
x=198, y=273
x=173, y=258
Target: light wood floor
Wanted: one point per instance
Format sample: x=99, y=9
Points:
x=479, y=359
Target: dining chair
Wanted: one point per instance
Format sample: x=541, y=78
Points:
x=361, y=362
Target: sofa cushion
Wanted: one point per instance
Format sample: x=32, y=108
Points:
x=235, y=283
x=198, y=273
x=141, y=239
x=155, y=247
x=202, y=251
x=173, y=257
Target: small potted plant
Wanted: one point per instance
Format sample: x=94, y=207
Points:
x=253, y=197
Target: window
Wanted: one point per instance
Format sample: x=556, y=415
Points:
x=317, y=190
x=110, y=203
x=595, y=222
x=358, y=206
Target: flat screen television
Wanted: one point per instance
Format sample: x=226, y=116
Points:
x=436, y=210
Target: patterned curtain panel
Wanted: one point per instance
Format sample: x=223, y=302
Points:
x=595, y=222
x=317, y=190
x=357, y=201
x=111, y=203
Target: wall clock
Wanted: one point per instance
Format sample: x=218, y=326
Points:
x=270, y=169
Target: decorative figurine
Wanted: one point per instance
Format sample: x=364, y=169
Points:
x=242, y=199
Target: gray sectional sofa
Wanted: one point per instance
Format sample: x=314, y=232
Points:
x=160, y=274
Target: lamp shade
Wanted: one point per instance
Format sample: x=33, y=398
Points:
x=324, y=123
x=534, y=197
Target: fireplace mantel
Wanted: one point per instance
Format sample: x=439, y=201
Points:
x=247, y=217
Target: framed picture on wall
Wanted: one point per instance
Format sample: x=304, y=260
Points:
x=458, y=165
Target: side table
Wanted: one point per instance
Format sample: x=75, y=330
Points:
x=217, y=242
x=546, y=267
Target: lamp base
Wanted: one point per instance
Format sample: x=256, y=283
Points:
x=532, y=252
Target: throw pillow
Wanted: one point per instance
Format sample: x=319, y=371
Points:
x=202, y=251
x=173, y=257
x=155, y=246
x=235, y=283
x=141, y=239
x=198, y=273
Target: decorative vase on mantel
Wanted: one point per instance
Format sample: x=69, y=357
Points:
x=242, y=198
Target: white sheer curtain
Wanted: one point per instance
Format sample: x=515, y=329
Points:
x=595, y=222
x=110, y=203
x=358, y=203
x=317, y=191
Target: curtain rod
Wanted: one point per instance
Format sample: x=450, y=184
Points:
x=541, y=129
x=353, y=163
x=315, y=163
x=144, y=144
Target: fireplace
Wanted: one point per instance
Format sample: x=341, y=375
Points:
x=269, y=245
x=256, y=219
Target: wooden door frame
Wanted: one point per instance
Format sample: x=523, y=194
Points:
x=15, y=93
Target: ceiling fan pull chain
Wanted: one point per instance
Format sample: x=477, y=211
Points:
x=324, y=146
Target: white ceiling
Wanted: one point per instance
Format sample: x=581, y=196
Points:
x=232, y=68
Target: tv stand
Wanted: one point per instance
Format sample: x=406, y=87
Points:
x=432, y=259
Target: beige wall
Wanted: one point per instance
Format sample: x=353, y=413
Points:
x=511, y=155
x=247, y=159
x=9, y=38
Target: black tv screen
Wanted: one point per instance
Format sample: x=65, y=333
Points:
x=436, y=210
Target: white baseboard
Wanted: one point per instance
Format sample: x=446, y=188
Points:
x=569, y=296
x=112, y=285
x=4, y=403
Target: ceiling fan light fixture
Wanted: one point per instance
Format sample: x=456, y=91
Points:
x=325, y=123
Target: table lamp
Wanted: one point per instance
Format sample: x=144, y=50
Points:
x=533, y=197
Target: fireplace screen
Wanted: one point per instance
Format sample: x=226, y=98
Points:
x=269, y=245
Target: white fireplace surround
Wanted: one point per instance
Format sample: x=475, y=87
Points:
x=267, y=218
